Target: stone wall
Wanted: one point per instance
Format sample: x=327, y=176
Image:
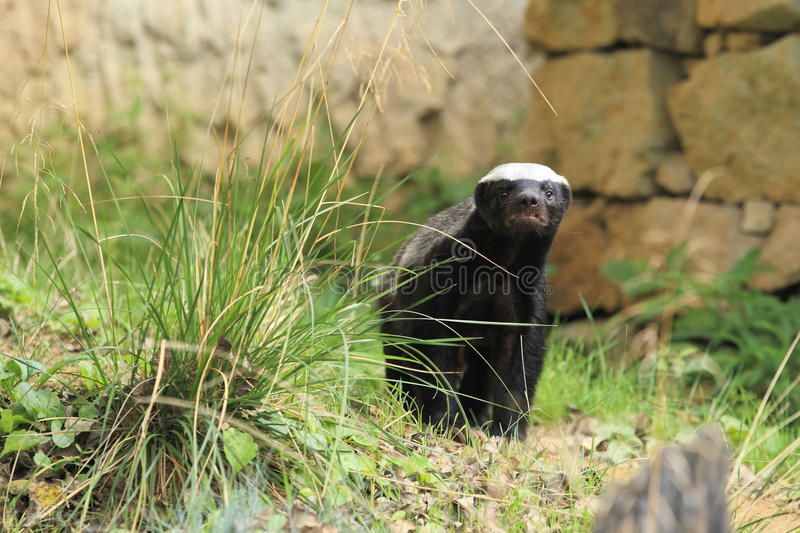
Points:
x=446, y=92
x=656, y=100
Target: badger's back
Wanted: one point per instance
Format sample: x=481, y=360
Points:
x=441, y=228
x=418, y=251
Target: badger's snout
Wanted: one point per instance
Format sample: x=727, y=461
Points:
x=528, y=198
x=528, y=208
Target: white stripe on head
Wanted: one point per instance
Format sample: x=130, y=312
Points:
x=524, y=171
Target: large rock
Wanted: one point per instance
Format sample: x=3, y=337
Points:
x=713, y=44
x=758, y=218
x=612, y=128
x=570, y=25
x=743, y=41
x=580, y=24
x=675, y=175
x=578, y=253
x=737, y=117
x=649, y=231
x=667, y=25
x=756, y=15
x=781, y=253
x=591, y=236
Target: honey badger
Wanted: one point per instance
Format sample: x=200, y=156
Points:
x=466, y=297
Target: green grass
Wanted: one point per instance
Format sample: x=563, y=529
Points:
x=331, y=447
x=222, y=367
x=745, y=331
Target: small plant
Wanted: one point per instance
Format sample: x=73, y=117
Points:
x=14, y=293
x=747, y=332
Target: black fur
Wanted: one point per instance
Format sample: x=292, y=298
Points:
x=482, y=260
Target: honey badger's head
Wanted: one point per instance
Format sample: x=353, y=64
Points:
x=517, y=199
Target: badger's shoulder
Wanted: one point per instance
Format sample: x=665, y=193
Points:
x=438, y=231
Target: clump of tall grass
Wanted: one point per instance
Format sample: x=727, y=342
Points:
x=213, y=335
x=229, y=327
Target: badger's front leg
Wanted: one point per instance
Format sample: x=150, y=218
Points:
x=517, y=361
x=429, y=376
x=437, y=384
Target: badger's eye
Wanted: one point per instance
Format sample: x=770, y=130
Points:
x=549, y=194
x=503, y=193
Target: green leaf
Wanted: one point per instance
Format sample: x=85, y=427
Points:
x=41, y=459
x=61, y=438
x=19, y=441
x=13, y=291
x=9, y=420
x=88, y=411
x=635, y=278
x=91, y=375
x=358, y=436
x=677, y=258
x=240, y=448
x=15, y=370
x=415, y=465
x=703, y=365
x=276, y=522
x=11, y=373
x=745, y=267
x=313, y=441
x=41, y=403
x=735, y=429
x=624, y=271
x=339, y=495
x=354, y=462
x=276, y=424
x=6, y=421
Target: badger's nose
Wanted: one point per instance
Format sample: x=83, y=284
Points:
x=528, y=199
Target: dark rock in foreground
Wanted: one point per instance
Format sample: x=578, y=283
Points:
x=682, y=490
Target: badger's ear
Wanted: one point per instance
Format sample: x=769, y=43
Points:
x=566, y=194
x=481, y=193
